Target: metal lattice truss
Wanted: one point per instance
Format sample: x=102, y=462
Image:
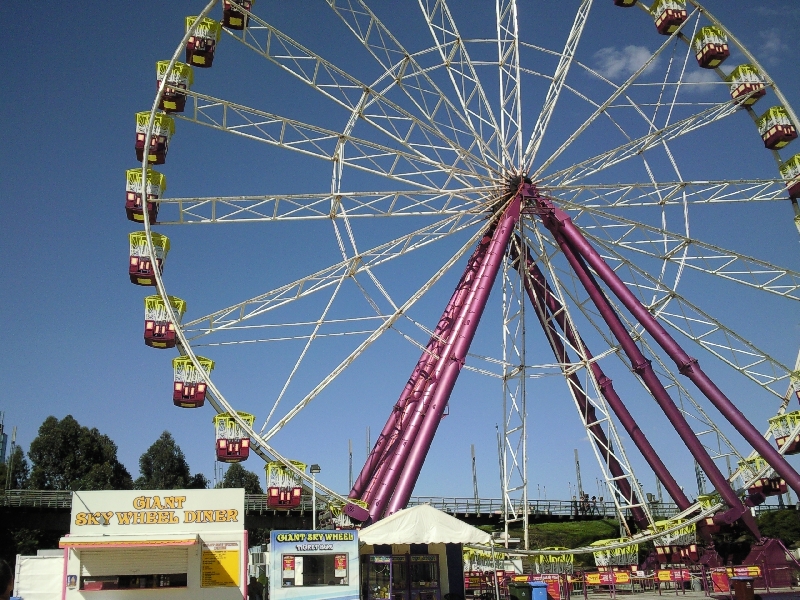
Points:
x=423, y=154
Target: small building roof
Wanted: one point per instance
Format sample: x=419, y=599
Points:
x=422, y=524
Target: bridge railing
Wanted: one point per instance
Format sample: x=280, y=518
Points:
x=58, y=499
x=564, y=508
x=36, y=498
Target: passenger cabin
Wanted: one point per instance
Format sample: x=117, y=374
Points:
x=179, y=80
x=140, y=267
x=746, y=83
x=706, y=501
x=790, y=171
x=232, y=18
x=159, y=330
x=154, y=189
x=283, y=485
x=763, y=488
x=776, y=128
x=668, y=15
x=189, y=388
x=710, y=46
x=677, y=555
x=625, y=3
x=233, y=443
x=786, y=431
x=163, y=129
x=203, y=42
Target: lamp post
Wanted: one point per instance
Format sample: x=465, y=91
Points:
x=314, y=469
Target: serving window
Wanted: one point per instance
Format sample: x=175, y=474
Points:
x=308, y=570
x=139, y=568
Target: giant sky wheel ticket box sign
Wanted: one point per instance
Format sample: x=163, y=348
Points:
x=314, y=565
x=191, y=541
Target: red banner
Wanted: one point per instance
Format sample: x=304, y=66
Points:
x=719, y=580
x=666, y=575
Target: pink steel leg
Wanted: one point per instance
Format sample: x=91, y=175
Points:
x=456, y=352
x=537, y=287
x=555, y=220
x=687, y=365
x=423, y=378
x=419, y=377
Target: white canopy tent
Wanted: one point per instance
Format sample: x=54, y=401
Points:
x=422, y=524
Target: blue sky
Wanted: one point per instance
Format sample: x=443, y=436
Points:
x=75, y=76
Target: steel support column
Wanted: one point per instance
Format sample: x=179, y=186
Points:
x=687, y=365
x=557, y=221
x=538, y=288
x=456, y=352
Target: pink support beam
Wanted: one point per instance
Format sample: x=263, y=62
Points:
x=456, y=352
x=540, y=297
x=687, y=365
x=558, y=222
x=420, y=377
x=537, y=287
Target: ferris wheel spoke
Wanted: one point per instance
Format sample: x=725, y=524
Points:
x=372, y=105
x=639, y=146
x=299, y=207
x=510, y=92
x=704, y=330
x=664, y=245
x=461, y=70
x=413, y=78
x=321, y=143
x=557, y=83
x=311, y=338
x=618, y=91
x=303, y=287
x=388, y=323
x=676, y=193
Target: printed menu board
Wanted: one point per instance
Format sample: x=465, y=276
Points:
x=220, y=564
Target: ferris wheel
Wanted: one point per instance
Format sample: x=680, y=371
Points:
x=611, y=212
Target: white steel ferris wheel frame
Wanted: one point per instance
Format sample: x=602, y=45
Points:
x=497, y=147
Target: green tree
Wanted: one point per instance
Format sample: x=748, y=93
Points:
x=781, y=524
x=238, y=477
x=19, y=471
x=163, y=466
x=67, y=456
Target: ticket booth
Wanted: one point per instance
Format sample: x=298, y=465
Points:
x=313, y=565
x=140, y=542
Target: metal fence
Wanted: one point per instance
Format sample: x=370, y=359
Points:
x=457, y=506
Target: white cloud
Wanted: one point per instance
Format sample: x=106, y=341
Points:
x=701, y=81
x=618, y=64
x=772, y=45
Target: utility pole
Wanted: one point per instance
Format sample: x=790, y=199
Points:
x=578, y=474
x=475, y=480
x=10, y=467
x=701, y=487
x=350, y=455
